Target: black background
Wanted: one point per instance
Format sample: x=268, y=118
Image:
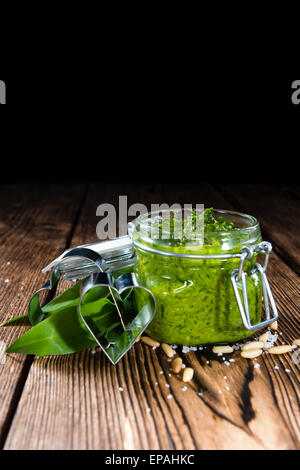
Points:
x=143, y=124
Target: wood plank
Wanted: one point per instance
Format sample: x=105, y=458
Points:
x=77, y=398
x=278, y=212
x=293, y=189
x=35, y=223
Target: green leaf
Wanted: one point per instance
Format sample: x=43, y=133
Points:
x=63, y=300
x=21, y=320
x=70, y=298
x=102, y=313
x=58, y=334
x=64, y=332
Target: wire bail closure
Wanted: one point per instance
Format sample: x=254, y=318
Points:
x=239, y=274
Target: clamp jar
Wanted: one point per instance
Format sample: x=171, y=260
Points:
x=209, y=288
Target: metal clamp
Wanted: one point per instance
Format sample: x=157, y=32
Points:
x=240, y=275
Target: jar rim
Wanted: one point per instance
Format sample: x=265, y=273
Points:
x=246, y=231
x=253, y=222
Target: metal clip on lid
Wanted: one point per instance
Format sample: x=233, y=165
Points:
x=117, y=253
x=240, y=275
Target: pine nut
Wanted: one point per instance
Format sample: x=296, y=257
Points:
x=177, y=365
x=297, y=342
x=222, y=349
x=253, y=345
x=170, y=352
x=274, y=326
x=283, y=349
x=252, y=353
x=263, y=338
x=150, y=341
x=187, y=374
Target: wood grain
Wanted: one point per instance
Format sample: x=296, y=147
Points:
x=34, y=227
x=75, y=401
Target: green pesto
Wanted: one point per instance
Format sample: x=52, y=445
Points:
x=195, y=298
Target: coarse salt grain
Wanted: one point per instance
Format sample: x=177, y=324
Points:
x=227, y=363
x=184, y=389
x=257, y=366
x=183, y=366
x=161, y=372
x=276, y=367
x=148, y=410
x=207, y=362
x=225, y=377
x=200, y=394
x=228, y=388
x=288, y=371
x=121, y=389
x=6, y=281
x=8, y=262
x=272, y=338
x=167, y=385
x=231, y=360
x=169, y=397
x=185, y=349
x=220, y=392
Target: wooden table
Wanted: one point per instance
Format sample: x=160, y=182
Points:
x=74, y=401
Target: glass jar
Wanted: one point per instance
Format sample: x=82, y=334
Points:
x=192, y=281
